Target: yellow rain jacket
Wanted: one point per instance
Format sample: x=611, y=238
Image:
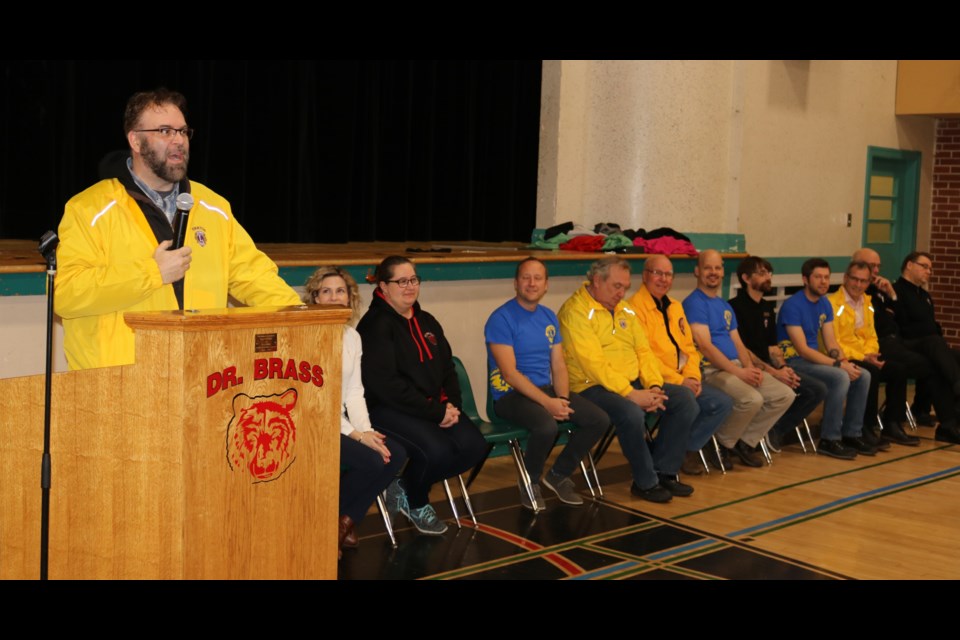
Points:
x=106, y=267
x=855, y=343
x=667, y=356
x=603, y=348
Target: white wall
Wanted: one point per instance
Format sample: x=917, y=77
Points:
x=773, y=149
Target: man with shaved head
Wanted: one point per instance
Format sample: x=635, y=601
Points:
x=672, y=342
x=759, y=400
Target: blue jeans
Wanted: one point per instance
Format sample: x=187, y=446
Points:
x=630, y=420
x=810, y=394
x=838, y=421
x=715, y=406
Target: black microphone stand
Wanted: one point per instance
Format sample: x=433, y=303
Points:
x=48, y=249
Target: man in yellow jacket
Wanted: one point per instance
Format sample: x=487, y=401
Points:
x=114, y=254
x=671, y=339
x=610, y=363
x=854, y=328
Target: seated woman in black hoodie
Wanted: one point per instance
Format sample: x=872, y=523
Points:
x=413, y=394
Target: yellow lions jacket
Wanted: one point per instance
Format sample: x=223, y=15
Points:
x=106, y=267
x=652, y=321
x=855, y=342
x=603, y=348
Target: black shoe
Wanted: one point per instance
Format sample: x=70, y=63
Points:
x=924, y=420
x=711, y=455
x=656, y=493
x=674, y=486
x=836, y=449
x=746, y=454
x=894, y=433
x=948, y=433
x=870, y=436
x=860, y=446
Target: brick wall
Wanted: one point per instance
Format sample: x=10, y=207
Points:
x=945, y=228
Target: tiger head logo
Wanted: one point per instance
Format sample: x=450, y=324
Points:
x=261, y=435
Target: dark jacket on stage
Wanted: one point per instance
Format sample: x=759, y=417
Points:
x=407, y=364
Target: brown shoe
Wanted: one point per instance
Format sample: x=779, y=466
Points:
x=692, y=464
x=746, y=454
x=347, y=537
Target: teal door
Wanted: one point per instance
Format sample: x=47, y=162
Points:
x=890, y=205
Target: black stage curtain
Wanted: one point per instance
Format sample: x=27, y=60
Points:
x=306, y=151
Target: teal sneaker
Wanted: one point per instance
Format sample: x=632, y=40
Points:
x=396, y=499
x=425, y=520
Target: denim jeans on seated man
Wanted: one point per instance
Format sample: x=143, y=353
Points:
x=837, y=420
x=666, y=453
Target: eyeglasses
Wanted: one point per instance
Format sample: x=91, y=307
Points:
x=656, y=273
x=923, y=265
x=762, y=272
x=169, y=132
x=403, y=283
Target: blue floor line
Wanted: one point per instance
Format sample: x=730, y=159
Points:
x=841, y=501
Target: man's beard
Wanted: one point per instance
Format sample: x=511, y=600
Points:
x=159, y=165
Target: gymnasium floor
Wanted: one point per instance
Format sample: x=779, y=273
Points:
x=805, y=517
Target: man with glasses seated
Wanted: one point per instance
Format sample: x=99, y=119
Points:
x=671, y=340
x=920, y=331
x=115, y=241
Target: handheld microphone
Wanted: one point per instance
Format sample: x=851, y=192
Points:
x=184, y=204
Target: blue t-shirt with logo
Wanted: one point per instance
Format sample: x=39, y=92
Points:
x=532, y=335
x=797, y=310
x=717, y=314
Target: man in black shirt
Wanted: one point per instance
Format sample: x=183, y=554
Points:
x=920, y=332
x=757, y=320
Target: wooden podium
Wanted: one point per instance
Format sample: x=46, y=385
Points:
x=215, y=455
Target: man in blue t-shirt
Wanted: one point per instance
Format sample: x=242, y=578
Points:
x=804, y=317
x=529, y=384
x=759, y=400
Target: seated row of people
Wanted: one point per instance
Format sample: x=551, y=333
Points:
x=706, y=366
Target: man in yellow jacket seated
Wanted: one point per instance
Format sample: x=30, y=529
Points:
x=857, y=336
x=115, y=237
x=609, y=362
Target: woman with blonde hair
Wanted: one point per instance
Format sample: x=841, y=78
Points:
x=371, y=460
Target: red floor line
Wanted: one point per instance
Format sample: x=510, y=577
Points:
x=565, y=565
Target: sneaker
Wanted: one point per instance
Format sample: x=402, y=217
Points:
x=563, y=487
x=836, y=449
x=674, y=486
x=396, y=499
x=692, y=464
x=425, y=520
x=656, y=493
x=525, y=498
x=860, y=446
x=745, y=454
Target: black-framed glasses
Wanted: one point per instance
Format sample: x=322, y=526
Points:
x=925, y=267
x=403, y=283
x=169, y=132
